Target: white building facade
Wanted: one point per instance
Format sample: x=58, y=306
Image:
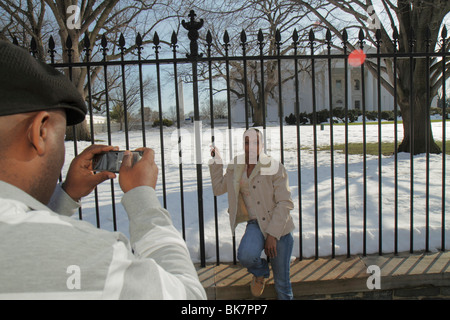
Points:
x=353, y=85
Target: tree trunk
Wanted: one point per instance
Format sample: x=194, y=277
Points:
x=258, y=116
x=81, y=130
x=424, y=18
x=258, y=105
x=419, y=18
x=78, y=78
x=415, y=128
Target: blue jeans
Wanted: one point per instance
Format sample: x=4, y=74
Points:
x=249, y=255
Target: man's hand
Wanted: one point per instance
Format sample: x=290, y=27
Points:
x=80, y=179
x=270, y=246
x=142, y=173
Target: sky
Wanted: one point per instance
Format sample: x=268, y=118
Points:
x=165, y=28
x=168, y=95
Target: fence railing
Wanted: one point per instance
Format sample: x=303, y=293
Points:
x=332, y=194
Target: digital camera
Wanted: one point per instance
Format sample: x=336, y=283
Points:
x=112, y=160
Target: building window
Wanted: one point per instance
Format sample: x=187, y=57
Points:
x=357, y=104
x=338, y=85
x=357, y=85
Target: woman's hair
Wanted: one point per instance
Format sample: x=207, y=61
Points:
x=258, y=132
x=255, y=135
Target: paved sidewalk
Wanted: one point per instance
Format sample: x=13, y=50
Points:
x=405, y=275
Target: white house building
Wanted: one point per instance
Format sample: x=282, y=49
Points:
x=322, y=92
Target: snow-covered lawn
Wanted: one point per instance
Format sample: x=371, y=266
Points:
x=307, y=213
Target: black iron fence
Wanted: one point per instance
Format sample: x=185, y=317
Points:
x=323, y=200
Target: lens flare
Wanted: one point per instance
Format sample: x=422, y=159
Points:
x=356, y=58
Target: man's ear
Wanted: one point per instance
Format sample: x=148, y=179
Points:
x=38, y=131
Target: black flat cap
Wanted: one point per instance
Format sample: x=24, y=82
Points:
x=28, y=85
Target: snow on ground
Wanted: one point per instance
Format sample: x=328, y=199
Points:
x=305, y=216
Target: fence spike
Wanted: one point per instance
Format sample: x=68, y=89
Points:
x=209, y=37
x=395, y=34
x=51, y=44
x=15, y=41
x=226, y=38
x=156, y=42
x=69, y=42
x=33, y=46
x=69, y=45
x=278, y=36
x=344, y=36
x=444, y=33
x=260, y=36
x=295, y=36
x=139, y=40
x=361, y=37
x=86, y=41
x=122, y=41
x=361, y=34
x=378, y=35
x=311, y=36
x=243, y=37
x=104, y=42
x=328, y=35
x=156, y=39
x=51, y=49
x=174, y=38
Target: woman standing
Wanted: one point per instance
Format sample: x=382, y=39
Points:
x=258, y=193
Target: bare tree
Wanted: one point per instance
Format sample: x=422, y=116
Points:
x=220, y=109
x=259, y=24
x=421, y=19
x=75, y=21
x=116, y=95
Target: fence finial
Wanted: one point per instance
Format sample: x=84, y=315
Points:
x=328, y=36
x=174, y=39
x=192, y=27
x=226, y=38
x=278, y=38
x=444, y=33
x=243, y=38
x=51, y=49
x=87, y=43
x=104, y=44
x=344, y=37
x=295, y=37
x=395, y=35
x=139, y=41
x=122, y=42
x=33, y=47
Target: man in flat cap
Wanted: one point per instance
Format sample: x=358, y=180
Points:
x=44, y=253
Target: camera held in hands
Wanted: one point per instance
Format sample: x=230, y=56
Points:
x=112, y=160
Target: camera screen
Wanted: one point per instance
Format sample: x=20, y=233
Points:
x=111, y=161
